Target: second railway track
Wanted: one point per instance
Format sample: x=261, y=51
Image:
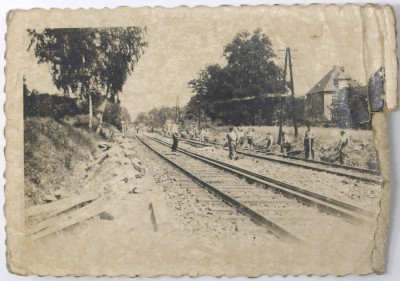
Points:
x=360, y=174
x=282, y=209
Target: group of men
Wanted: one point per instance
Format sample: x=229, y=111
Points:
x=237, y=137
x=240, y=138
x=203, y=135
x=309, y=138
x=245, y=139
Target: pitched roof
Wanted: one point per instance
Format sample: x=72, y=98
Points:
x=326, y=84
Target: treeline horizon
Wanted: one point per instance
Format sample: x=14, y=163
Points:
x=251, y=90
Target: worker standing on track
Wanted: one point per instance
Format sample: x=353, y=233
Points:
x=309, y=138
x=270, y=140
x=241, y=136
x=285, y=144
x=175, y=139
x=232, y=139
x=342, y=144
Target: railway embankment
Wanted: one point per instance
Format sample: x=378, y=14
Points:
x=54, y=155
x=74, y=176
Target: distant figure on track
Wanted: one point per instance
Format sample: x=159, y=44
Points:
x=342, y=144
x=175, y=139
x=309, y=138
x=232, y=138
x=285, y=143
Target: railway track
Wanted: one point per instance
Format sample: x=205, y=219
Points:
x=282, y=209
x=360, y=174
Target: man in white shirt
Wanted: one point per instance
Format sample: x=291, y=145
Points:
x=270, y=140
x=232, y=138
x=309, y=138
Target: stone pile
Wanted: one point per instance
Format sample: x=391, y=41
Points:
x=114, y=169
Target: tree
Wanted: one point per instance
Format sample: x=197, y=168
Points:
x=250, y=73
x=157, y=117
x=350, y=107
x=250, y=65
x=88, y=60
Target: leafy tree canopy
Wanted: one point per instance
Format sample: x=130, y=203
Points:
x=103, y=57
x=250, y=64
x=250, y=72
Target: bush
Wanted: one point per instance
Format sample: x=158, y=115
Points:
x=55, y=106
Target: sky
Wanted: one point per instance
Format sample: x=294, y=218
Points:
x=182, y=42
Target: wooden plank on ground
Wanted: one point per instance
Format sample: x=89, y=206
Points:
x=60, y=205
x=98, y=161
x=77, y=216
x=68, y=204
x=48, y=222
x=294, y=152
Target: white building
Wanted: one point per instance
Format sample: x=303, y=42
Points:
x=321, y=96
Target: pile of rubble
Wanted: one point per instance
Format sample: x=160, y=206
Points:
x=114, y=169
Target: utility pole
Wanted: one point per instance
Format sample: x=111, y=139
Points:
x=288, y=63
x=294, y=110
x=280, y=100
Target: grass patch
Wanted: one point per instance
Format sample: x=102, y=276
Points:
x=53, y=153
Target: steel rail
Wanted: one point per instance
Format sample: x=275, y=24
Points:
x=333, y=165
x=323, y=203
x=255, y=216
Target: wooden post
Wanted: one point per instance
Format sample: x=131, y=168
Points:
x=281, y=104
x=153, y=217
x=294, y=111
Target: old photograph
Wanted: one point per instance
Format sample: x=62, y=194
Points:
x=199, y=141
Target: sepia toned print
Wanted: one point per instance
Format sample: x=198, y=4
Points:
x=203, y=141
